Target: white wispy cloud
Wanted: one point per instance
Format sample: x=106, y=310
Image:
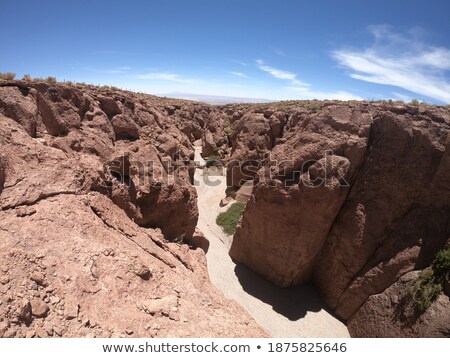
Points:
x=280, y=74
x=238, y=74
x=303, y=90
x=165, y=76
x=401, y=60
x=307, y=93
x=242, y=63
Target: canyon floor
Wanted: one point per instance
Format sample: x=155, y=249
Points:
x=293, y=312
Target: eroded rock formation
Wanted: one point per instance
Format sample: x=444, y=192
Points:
x=352, y=198
x=97, y=211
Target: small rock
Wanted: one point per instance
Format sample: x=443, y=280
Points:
x=10, y=333
x=24, y=311
x=199, y=240
x=41, y=332
x=54, y=300
x=129, y=332
x=39, y=308
x=4, y=279
x=49, y=328
x=160, y=306
x=58, y=331
x=174, y=315
x=142, y=271
x=38, y=277
x=26, y=211
x=30, y=334
x=155, y=327
x=225, y=201
x=71, y=309
x=3, y=327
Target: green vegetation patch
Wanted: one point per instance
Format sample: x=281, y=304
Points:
x=428, y=286
x=213, y=161
x=227, y=126
x=230, y=218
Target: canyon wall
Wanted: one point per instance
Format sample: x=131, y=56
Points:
x=352, y=197
x=97, y=212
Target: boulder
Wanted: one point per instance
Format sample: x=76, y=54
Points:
x=124, y=127
x=199, y=240
x=20, y=106
x=109, y=105
x=208, y=144
x=384, y=213
x=39, y=308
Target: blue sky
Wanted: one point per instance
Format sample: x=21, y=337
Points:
x=261, y=49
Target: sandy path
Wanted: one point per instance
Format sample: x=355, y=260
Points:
x=294, y=312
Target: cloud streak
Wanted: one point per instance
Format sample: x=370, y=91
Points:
x=280, y=74
x=165, y=76
x=401, y=60
x=303, y=90
x=306, y=93
x=238, y=74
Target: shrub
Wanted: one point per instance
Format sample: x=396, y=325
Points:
x=7, y=76
x=69, y=83
x=228, y=130
x=414, y=102
x=227, y=126
x=313, y=106
x=429, y=284
x=51, y=79
x=283, y=108
x=27, y=77
x=425, y=290
x=213, y=161
x=441, y=265
x=230, y=218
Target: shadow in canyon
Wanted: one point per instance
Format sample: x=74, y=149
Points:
x=293, y=302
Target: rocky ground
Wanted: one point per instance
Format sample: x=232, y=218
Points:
x=99, y=212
